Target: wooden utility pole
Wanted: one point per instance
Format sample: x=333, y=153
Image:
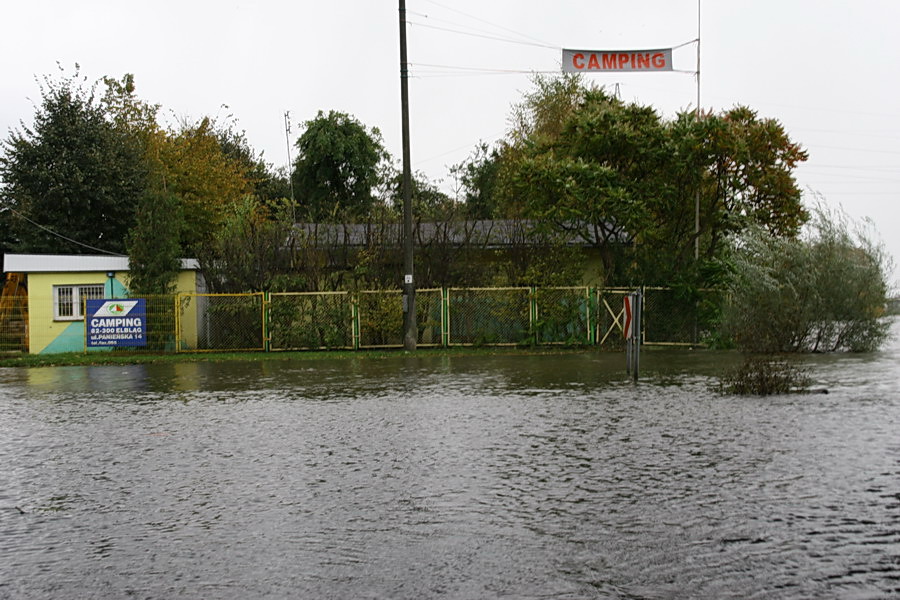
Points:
x=409, y=289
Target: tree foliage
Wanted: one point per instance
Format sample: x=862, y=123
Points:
x=251, y=250
x=97, y=168
x=338, y=167
x=478, y=176
x=72, y=179
x=154, y=244
x=627, y=181
x=823, y=292
x=266, y=182
x=206, y=181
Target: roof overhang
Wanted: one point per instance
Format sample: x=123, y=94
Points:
x=75, y=263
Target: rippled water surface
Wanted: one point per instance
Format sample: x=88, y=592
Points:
x=460, y=477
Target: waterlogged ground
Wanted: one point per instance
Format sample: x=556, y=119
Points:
x=448, y=477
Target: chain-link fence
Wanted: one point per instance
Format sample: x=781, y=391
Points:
x=221, y=322
x=311, y=320
x=562, y=315
x=374, y=319
x=489, y=316
x=381, y=318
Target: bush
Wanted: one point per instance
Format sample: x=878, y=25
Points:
x=823, y=292
x=765, y=376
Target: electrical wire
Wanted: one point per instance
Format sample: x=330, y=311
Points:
x=59, y=235
x=484, y=36
x=439, y=70
x=486, y=22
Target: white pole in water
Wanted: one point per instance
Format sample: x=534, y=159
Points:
x=632, y=332
x=636, y=332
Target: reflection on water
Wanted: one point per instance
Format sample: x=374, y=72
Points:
x=448, y=477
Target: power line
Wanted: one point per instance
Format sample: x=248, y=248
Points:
x=486, y=22
x=485, y=36
x=59, y=235
x=460, y=26
x=437, y=70
x=855, y=149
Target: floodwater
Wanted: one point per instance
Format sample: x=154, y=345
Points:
x=461, y=477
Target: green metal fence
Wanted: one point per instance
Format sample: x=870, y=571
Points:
x=381, y=318
x=445, y=317
x=298, y=321
x=489, y=316
x=221, y=322
x=563, y=315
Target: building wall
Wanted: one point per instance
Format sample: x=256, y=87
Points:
x=47, y=335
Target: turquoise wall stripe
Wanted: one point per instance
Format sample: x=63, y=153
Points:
x=71, y=340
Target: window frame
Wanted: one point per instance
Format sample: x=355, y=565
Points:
x=78, y=293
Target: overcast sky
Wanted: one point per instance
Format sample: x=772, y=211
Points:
x=827, y=69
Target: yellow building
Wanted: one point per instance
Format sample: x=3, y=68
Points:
x=59, y=285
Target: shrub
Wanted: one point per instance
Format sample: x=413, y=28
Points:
x=823, y=292
x=765, y=376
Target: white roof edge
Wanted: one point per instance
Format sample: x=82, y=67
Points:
x=74, y=263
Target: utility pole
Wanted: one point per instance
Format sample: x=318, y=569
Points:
x=699, y=178
x=410, y=331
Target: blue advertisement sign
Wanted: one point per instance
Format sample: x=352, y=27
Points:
x=116, y=323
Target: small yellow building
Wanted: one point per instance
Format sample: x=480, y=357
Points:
x=58, y=286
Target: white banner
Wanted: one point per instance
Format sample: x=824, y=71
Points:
x=616, y=61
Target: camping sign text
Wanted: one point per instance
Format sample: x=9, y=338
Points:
x=616, y=61
x=116, y=323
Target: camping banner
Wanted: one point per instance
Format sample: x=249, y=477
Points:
x=616, y=61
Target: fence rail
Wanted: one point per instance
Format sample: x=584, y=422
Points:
x=444, y=317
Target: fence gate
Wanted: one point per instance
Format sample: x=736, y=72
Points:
x=611, y=316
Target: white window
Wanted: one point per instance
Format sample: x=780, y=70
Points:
x=68, y=300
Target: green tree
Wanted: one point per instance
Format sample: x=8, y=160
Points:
x=72, y=179
x=823, y=292
x=595, y=176
x=252, y=250
x=748, y=177
x=478, y=176
x=338, y=167
x=206, y=181
x=626, y=181
x=266, y=182
x=154, y=248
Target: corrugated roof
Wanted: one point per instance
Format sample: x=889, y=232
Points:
x=74, y=263
x=496, y=233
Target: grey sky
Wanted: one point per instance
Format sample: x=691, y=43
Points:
x=827, y=69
